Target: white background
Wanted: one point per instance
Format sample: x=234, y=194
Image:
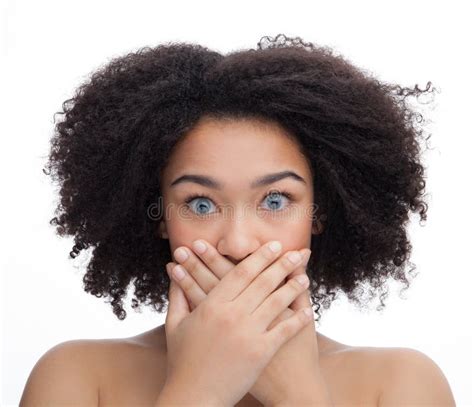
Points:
x=49, y=47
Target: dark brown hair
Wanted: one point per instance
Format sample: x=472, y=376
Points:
x=358, y=133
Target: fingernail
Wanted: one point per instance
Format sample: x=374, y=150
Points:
x=178, y=272
x=199, y=246
x=180, y=254
x=275, y=246
x=302, y=279
x=294, y=257
x=169, y=267
x=306, y=257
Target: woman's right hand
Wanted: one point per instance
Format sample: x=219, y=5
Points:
x=216, y=353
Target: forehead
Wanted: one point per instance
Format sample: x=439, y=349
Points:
x=242, y=149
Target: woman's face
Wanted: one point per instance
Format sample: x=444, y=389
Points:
x=236, y=213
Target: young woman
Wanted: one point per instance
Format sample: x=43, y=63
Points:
x=217, y=168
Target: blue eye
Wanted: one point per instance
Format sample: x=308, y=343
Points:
x=275, y=198
x=201, y=207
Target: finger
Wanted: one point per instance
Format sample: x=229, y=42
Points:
x=186, y=283
x=286, y=330
x=214, y=261
x=287, y=313
x=280, y=299
x=203, y=276
x=303, y=300
x=178, y=307
x=241, y=276
x=266, y=282
x=169, y=266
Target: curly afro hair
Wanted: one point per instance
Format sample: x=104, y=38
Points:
x=358, y=133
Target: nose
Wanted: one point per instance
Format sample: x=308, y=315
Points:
x=240, y=238
x=236, y=250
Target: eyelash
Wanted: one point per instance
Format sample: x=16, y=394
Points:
x=286, y=194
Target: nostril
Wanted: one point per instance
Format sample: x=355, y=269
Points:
x=235, y=262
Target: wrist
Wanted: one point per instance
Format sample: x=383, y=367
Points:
x=307, y=401
x=174, y=394
x=311, y=401
x=314, y=392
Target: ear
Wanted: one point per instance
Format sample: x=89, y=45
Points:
x=318, y=227
x=162, y=232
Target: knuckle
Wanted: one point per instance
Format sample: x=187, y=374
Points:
x=286, y=313
x=191, y=264
x=295, y=286
x=172, y=289
x=186, y=283
x=287, y=264
x=255, y=353
x=267, y=253
x=302, y=319
x=264, y=283
x=209, y=312
x=278, y=302
x=226, y=317
x=286, y=330
x=243, y=270
x=227, y=321
x=210, y=255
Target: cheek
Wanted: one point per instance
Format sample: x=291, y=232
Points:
x=179, y=233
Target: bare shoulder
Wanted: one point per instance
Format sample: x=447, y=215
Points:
x=352, y=373
x=87, y=371
x=410, y=377
x=385, y=376
x=63, y=373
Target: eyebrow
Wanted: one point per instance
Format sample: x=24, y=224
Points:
x=261, y=181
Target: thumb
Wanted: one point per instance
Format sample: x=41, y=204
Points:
x=178, y=307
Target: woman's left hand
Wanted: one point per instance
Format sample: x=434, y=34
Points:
x=294, y=374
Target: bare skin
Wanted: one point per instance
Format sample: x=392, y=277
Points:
x=133, y=370
x=216, y=149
